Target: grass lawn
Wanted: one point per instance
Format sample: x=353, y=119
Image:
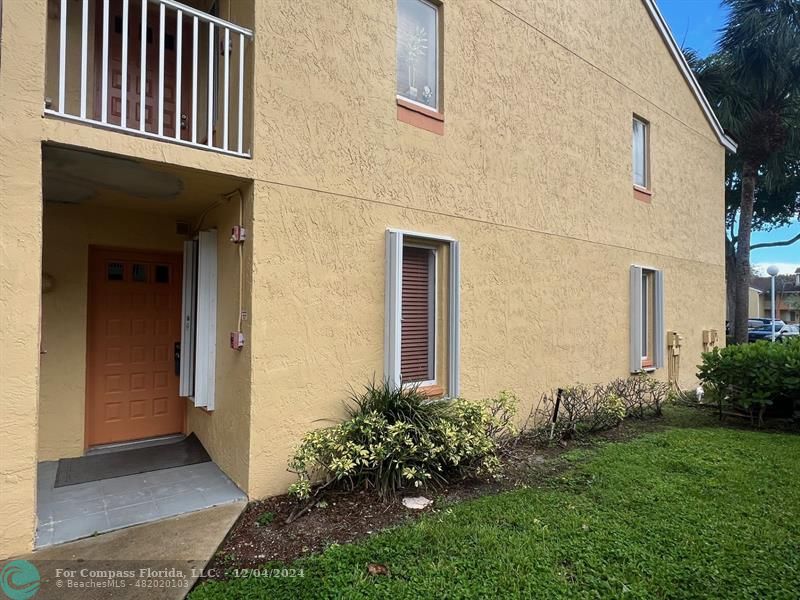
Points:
x=681, y=513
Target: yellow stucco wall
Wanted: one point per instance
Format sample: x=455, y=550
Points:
x=226, y=431
x=532, y=176
x=754, y=303
x=21, y=71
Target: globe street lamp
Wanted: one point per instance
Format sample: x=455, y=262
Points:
x=772, y=271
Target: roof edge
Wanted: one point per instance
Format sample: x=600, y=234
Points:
x=686, y=71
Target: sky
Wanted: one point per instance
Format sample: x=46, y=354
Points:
x=696, y=24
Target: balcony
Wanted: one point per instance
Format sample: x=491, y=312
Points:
x=153, y=68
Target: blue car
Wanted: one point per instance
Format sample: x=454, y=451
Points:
x=764, y=332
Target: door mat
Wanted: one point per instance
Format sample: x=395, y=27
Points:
x=189, y=451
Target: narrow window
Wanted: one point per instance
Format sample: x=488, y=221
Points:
x=641, y=159
x=648, y=335
x=417, y=329
x=418, y=52
x=162, y=273
x=139, y=273
x=647, y=318
x=115, y=271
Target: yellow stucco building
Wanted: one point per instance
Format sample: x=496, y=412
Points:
x=470, y=195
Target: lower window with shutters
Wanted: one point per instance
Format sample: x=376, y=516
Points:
x=418, y=318
x=423, y=300
x=647, y=319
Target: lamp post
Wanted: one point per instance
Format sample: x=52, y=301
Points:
x=772, y=271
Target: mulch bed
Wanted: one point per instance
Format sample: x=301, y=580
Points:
x=344, y=517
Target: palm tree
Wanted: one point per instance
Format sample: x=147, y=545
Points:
x=753, y=82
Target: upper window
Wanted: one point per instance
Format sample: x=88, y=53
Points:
x=418, y=52
x=641, y=153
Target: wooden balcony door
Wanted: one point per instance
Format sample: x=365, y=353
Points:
x=151, y=68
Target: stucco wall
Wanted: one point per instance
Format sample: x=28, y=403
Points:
x=21, y=71
x=225, y=432
x=754, y=303
x=532, y=175
x=537, y=311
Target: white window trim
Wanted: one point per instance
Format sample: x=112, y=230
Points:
x=645, y=334
x=659, y=328
x=437, y=27
x=198, y=369
x=395, y=239
x=645, y=153
x=417, y=103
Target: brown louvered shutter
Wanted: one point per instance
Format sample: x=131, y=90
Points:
x=417, y=318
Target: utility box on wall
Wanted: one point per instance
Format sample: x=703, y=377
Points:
x=710, y=339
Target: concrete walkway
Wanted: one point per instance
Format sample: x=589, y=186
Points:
x=73, y=512
x=159, y=560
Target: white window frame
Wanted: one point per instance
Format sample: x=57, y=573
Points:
x=647, y=277
x=438, y=48
x=645, y=152
x=396, y=239
x=637, y=352
x=199, y=320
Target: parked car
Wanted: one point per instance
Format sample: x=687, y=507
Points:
x=788, y=332
x=764, y=332
x=755, y=323
x=752, y=323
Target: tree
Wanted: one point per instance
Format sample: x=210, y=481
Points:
x=753, y=83
x=792, y=302
x=776, y=203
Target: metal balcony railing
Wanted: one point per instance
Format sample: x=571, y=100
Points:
x=156, y=68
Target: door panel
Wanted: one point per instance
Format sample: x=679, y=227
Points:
x=151, y=68
x=134, y=313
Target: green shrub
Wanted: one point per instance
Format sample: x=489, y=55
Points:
x=395, y=439
x=265, y=518
x=642, y=395
x=754, y=376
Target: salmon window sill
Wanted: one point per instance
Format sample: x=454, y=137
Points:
x=419, y=116
x=432, y=391
x=642, y=194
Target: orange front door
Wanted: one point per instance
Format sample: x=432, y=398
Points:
x=134, y=318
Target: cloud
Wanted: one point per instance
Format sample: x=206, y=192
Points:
x=785, y=268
